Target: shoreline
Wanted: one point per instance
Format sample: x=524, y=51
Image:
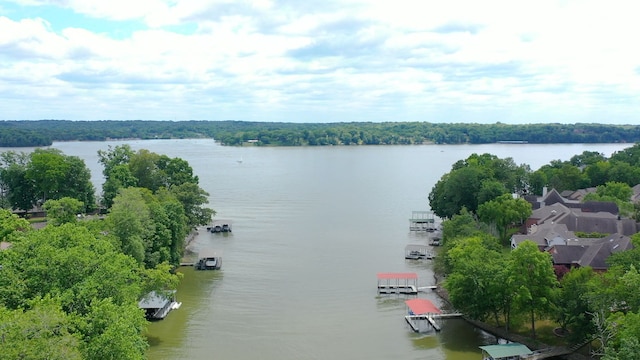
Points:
x=501, y=333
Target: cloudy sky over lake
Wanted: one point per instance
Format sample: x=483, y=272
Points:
x=438, y=61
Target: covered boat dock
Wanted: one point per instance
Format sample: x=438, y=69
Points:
x=421, y=310
x=158, y=304
x=397, y=283
x=417, y=252
x=422, y=221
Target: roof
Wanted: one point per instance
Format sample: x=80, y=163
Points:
x=506, y=350
x=416, y=247
x=397, y=276
x=422, y=306
x=567, y=254
x=154, y=300
x=590, y=252
x=545, y=234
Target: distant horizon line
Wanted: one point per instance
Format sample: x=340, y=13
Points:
x=330, y=122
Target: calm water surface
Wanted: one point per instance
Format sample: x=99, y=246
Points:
x=311, y=228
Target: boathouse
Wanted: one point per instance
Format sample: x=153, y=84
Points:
x=511, y=351
x=422, y=221
x=397, y=283
x=158, y=304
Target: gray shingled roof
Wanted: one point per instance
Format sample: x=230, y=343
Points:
x=545, y=234
x=567, y=254
x=590, y=252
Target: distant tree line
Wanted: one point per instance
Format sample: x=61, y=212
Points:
x=234, y=133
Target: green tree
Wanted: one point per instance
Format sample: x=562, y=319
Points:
x=489, y=190
x=456, y=190
x=571, y=304
x=114, y=156
x=538, y=180
x=506, y=213
x=616, y=192
x=625, y=344
x=43, y=332
x=115, y=163
x=144, y=167
x=598, y=173
x=113, y=331
x=120, y=177
x=56, y=176
x=531, y=273
x=93, y=283
x=474, y=180
x=63, y=211
x=20, y=192
x=11, y=224
x=478, y=283
x=192, y=198
x=587, y=158
x=129, y=221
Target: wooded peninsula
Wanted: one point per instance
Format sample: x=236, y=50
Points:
x=24, y=133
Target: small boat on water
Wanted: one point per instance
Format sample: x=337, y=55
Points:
x=418, y=252
x=220, y=226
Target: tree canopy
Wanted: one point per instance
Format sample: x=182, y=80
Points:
x=83, y=290
x=45, y=174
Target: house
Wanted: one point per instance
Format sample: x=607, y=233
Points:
x=556, y=220
x=589, y=252
x=544, y=235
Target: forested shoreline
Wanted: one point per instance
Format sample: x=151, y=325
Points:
x=521, y=289
x=24, y=133
x=70, y=289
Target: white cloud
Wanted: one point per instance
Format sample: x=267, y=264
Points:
x=284, y=60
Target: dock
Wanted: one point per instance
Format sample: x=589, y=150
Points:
x=421, y=311
x=208, y=259
x=157, y=305
x=397, y=283
x=428, y=287
x=418, y=252
x=422, y=221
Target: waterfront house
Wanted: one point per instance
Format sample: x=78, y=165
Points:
x=556, y=220
x=588, y=252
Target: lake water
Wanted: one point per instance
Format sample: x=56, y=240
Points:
x=311, y=228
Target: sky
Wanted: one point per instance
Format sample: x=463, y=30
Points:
x=453, y=61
